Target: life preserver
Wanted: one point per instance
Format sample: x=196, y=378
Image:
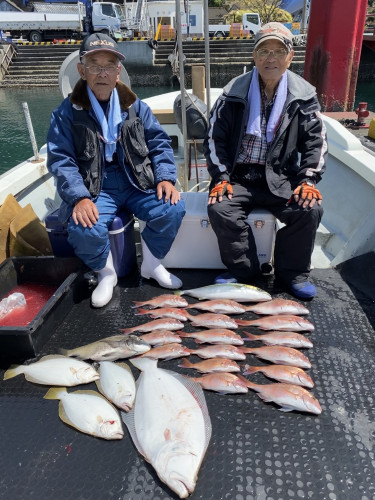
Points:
x=153, y=43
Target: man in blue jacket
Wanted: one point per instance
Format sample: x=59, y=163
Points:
x=108, y=152
x=266, y=147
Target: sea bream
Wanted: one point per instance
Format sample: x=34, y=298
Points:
x=117, y=384
x=161, y=337
x=214, y=336
x=279, y=322
x=220, y=351
x=279, y=355
x=55, y=369
x=165, y=312
x=213, y=365
x=165, y=300
x=213, y=320
x=232, y=291
x=156, y=324
x=224, y=383
x=279, y=306
x=89, y=412
x=220, y=306
x=282, y=373
x=167, y=351
x=110, y=348
x=289, y=397
x=170, y=425
x=287, y=339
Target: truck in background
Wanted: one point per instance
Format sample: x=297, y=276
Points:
x=47, y=22
x=249, y=25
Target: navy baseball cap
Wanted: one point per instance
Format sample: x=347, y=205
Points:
x=99, y=42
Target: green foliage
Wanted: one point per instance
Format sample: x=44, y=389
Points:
x=216, y=3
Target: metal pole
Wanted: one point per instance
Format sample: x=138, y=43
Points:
x=207, y=57
x=184, y=183
x=31, y=130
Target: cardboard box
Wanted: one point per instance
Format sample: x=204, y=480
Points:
x=196, y=244
x=18, y=343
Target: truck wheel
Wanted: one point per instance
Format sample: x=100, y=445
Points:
x=220, y=33
x=35, y=36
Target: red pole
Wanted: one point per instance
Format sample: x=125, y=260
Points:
x=333, y=51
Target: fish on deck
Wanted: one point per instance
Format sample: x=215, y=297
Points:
x=165, y=300
x=282, y=373
x=220, y=306
x=117, y=384
x=212, y=365
x=165, y=312
x=224, y=383
x=232, y=291
x=212, y=320
x=167, y=351
x=279, y=306
x=220, y=351
x=287, y=339
x=279, y=355
x=279, y=322
x=156, y=324
x=161, y=337
x=214, y=336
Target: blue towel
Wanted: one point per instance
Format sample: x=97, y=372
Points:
x=110, y=127
x=254, y=98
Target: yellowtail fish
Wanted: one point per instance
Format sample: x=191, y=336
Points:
x=214, y=336
x=161, y=337
x=169, y=425
x=165, y=300
x=156, y=324
x=220, y=351
x=89, y=412
x=279, y=306
x=213, y=365
x=55, y=370
x=287, y=339
x=279, y=355
x=110, y=348
x=212, y=320
x=117, y=384
x=233, y=291
x=167, y=351
x=283, y=373
x=279, y=322
x=289, y=397
x=220, y=306
x=225, y=383
x=165, y=312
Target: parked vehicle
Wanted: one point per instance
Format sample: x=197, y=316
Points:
x=250, y=23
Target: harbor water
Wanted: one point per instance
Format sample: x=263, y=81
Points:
x=15, y=144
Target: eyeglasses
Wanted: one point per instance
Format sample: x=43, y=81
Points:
x=278, y=53
x=96, y=70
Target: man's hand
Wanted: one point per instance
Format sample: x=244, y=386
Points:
x=307, y=196
x=85, y=213
x=218, y=191
x=171, y=193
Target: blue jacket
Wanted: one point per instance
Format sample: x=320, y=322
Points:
x=62, y=159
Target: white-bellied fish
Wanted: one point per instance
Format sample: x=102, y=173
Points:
x=282, y=373
x=165, y=300
x=214, y=336
x=289, y=397
x=232, y=291
x=110, y=348
x=166, y=351
x=220, y=351
x=225, y=383
x=212, y=320
x=55, y=370
x=279, y=306
x=170, y=425
x=156, y=324
x=165, y=312
x=287, y=339
x=117, y=384
x=279, y=355
x=279, y=322
x=212, y=365
x=161, y=337
x=89, y=412
x=220, y=306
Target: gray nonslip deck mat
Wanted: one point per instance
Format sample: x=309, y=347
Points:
x=256, y=451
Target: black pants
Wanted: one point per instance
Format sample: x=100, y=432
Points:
x=294, y=242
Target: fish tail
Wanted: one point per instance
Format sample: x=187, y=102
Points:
x=142, y=311
x=126, y=331
x=250, y=369
x=243, y=322
x=55, y=393
x=183, y=334
x=13, y=371
x=185, y=363
x=137, y=304
x=250, y=336
x=178, y=292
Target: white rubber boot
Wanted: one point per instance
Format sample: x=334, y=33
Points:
x=152, y=268
x=107, y=280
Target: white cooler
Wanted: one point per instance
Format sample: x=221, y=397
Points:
x=196, y=244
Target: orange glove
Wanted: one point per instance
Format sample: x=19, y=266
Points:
x=220, y=189
x=307, y=195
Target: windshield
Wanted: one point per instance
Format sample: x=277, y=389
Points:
x=119, y=12
x=252, y=18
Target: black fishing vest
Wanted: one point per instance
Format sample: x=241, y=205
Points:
x=89, y=150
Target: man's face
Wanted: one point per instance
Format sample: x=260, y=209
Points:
x=103, y=83
x=272, y=67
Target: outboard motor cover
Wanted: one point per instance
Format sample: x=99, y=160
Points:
x=196, y=117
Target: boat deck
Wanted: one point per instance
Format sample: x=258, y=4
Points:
x=256, y=451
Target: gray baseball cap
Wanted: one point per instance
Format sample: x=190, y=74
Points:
x=274, y=31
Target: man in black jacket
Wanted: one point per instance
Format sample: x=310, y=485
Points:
x=266, y=147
